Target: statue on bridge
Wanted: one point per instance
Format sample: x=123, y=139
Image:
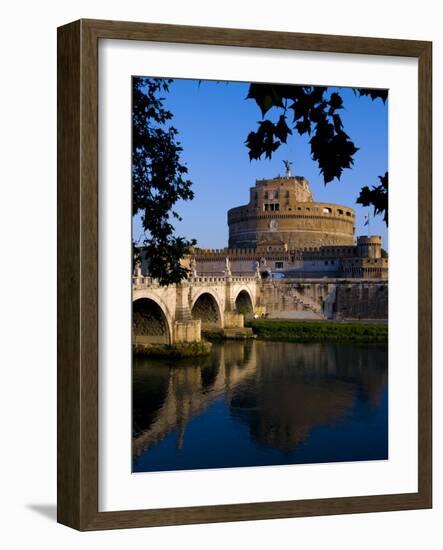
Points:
x=257, y=271
x=228, y=272
x=138, y=269
x=193, y=267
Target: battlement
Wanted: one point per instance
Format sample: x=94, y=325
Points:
x=339, y=251
x=224, y=252
x=373, y=239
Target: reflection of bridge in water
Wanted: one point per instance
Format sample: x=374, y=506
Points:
x=280, y=391
x=191, y=389
x=177, y=313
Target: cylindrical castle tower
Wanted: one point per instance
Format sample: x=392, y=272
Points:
x=369, y=247
x=283, y=210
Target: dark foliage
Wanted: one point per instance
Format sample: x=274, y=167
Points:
x=377, y=196
x=158, y=178
x=373, y=93
x=314, y=111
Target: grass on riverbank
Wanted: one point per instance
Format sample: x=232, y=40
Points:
x=319, y=331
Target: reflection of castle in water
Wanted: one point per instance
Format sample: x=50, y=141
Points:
x=280, y=391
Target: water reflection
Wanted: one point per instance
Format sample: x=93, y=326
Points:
x=254, y=403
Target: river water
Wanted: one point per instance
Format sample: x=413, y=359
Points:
x=258, y=403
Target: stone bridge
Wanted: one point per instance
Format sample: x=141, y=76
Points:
x=179, y=313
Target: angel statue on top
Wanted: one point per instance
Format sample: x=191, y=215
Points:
x=288, y=164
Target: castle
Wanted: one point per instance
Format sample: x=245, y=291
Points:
x=283, y=230
x=288, y=257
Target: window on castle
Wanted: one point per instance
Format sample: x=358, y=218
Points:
x=278, y=265
x=266, y=207
x=275, y=194
x=266, y=195
x=327, y=210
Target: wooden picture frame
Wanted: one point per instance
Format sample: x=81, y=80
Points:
x=78, y=274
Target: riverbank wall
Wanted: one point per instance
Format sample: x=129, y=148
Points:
x=325, y=298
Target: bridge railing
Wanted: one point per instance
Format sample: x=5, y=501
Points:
x=141, y=281
x=222, y=279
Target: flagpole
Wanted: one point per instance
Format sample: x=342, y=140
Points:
x=368, y=223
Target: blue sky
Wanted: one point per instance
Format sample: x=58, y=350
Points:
x=213, y=120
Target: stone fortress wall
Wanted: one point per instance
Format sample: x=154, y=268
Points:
x=363, y=260
x=328, y=298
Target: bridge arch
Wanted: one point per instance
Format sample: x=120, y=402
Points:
x=151, y=322
x=244, y=303
x=206, y=307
